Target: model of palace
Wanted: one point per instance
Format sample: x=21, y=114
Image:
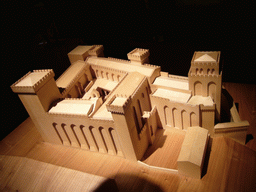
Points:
x=116, y=106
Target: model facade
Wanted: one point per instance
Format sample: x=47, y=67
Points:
x=116, y=106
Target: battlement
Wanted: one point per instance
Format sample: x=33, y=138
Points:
x=96, y=50
x=118, y=103
x=118, y=60
x=205, y=75
x=32, y=81
x=139, y=55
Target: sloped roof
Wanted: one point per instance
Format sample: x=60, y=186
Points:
x=76, y=107
x=169, y=82
x=206, y=56
x=175, y=96
x=66, y=78
x=123, y=66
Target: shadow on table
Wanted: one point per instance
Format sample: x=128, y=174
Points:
x=158, y=143
x=128, y=182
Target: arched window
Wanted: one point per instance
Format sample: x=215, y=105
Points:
x=140, y=109
x=211, y=90
x=174, y=116
x=136, y=120
x=184, y=120
x=197, y=71
x=55, y=128
x=115, y=140
x=193, y=120
x=167, y=115
x=208, y=71
x=63, y=125
x=198, y=88
x=103, y=137
x=80, y=136
x=93, y=139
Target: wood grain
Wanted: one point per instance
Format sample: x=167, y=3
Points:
x=245, y=96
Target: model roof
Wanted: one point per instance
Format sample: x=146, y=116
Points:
x=206, y=56
x=121, y=65
x=169, y=82
x=102, y=83
x=129, y=84
x=66, y=78
x=70, y=106
x=127, y=87
x=175, y=96
x=32, y=79
x=198, y=99
x=80, y=49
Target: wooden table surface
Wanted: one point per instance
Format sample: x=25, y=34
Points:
x=29, y=164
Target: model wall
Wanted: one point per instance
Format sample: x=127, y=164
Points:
x=76, y=87
x=176, y=115
x=107, y=73
x=207, y=85
x=139, y=128
x=86, y=133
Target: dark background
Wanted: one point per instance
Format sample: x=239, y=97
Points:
x=39, y=34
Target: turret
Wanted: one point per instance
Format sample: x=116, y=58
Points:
x=204, y=76
x=139, y=56
x=38, y=90
x=81, y=52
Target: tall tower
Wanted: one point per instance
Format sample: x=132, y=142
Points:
x=38, y=90
x=205, y=77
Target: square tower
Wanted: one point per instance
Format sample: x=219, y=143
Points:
x=38, y=90
x=205, y=78
x=139, y=56
x=205, y=63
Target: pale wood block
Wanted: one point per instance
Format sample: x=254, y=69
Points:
x=191, y=158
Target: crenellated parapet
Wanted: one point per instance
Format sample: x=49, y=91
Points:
x=118, y=103
x=96, y=50
x=104, y=68
x=139, y=55
x=205, y=63
x=205, y=75
x=32, y=81
x=118, y=60
x=178, y=77
x=152, y=66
